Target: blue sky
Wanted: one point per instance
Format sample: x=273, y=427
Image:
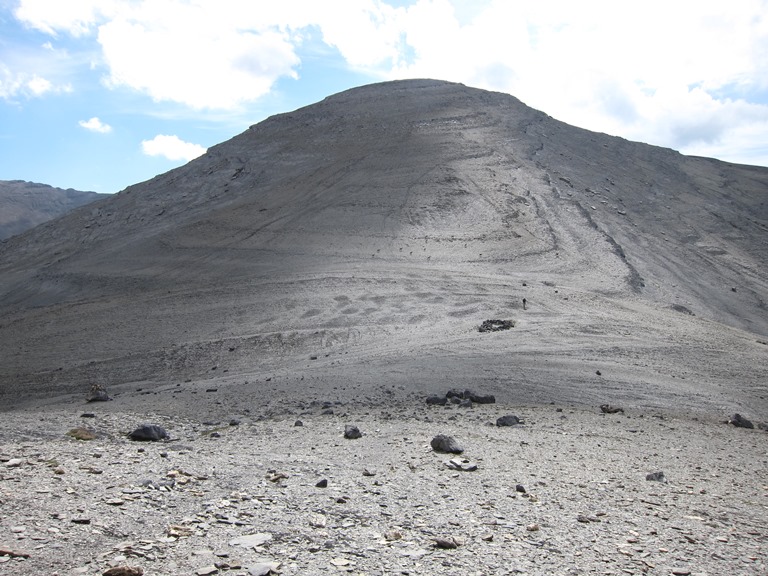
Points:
x=102, y=94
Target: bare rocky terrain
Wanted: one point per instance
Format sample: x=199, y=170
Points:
x=24, y=205
x=334, y=265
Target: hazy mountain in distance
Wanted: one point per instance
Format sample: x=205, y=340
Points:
x=24, y=205
x=361, y=241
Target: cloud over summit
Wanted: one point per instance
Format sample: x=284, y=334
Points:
x=171, y=147
x=622, y=68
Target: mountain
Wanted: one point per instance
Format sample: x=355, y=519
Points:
x=357, y=244
x=24, y=205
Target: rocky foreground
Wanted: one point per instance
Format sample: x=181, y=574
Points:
x=569, y=490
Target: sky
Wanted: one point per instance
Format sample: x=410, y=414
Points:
x=101, y=94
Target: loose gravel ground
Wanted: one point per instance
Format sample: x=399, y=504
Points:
x=563, y=493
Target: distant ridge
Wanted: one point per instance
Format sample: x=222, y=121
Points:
x=24, y=205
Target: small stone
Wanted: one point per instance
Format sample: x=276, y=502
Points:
x=681, y=572
x=13, y=553
x=520, y=488
x=368, y=472
x=461, y=464
x=234, y=422
x=340, y=562
x=124, y=571
x=740, y=422
x=446, y=543
x=466, y=403
x=437, y=400
x=446, y=444
x=275, y=476
x=97, y=394
x=14, y=463
x=298, y=423
x=532, y=528
x=392, y=535
x=264, y=569
x=352, y=432
x=608, y=409
x=509, y=420
x=207, y=570
x=479, y=398
x=148, y=433
x=656, y=477
x=583, y=519
x=322, y=484
x=318, y=521
x=81, y=520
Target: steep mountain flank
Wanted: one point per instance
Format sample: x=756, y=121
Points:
x=374, y=231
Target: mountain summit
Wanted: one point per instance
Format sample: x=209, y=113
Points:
x=363, y=239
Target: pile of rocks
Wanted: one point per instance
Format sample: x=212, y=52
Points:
x=462, y=398
x=496, y=325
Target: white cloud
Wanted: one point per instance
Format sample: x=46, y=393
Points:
x=197, y=66
x=96, y=125
x=683, y=73
x=172, y=148
x=75, y=17
x=38, y=86
x=14, y=84
x=679, y=74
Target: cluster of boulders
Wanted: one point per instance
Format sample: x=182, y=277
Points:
x=496, y=325
x=463, y=398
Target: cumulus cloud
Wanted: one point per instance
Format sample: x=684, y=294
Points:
x=75, y=17
x=96, y=125
x=172, y=148
x=203, y=54
x=673, y=73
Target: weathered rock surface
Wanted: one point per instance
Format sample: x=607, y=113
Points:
x=508, y=420
x=446, y=444
x=352, y=432
x=148, y=433
x=740, y=422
